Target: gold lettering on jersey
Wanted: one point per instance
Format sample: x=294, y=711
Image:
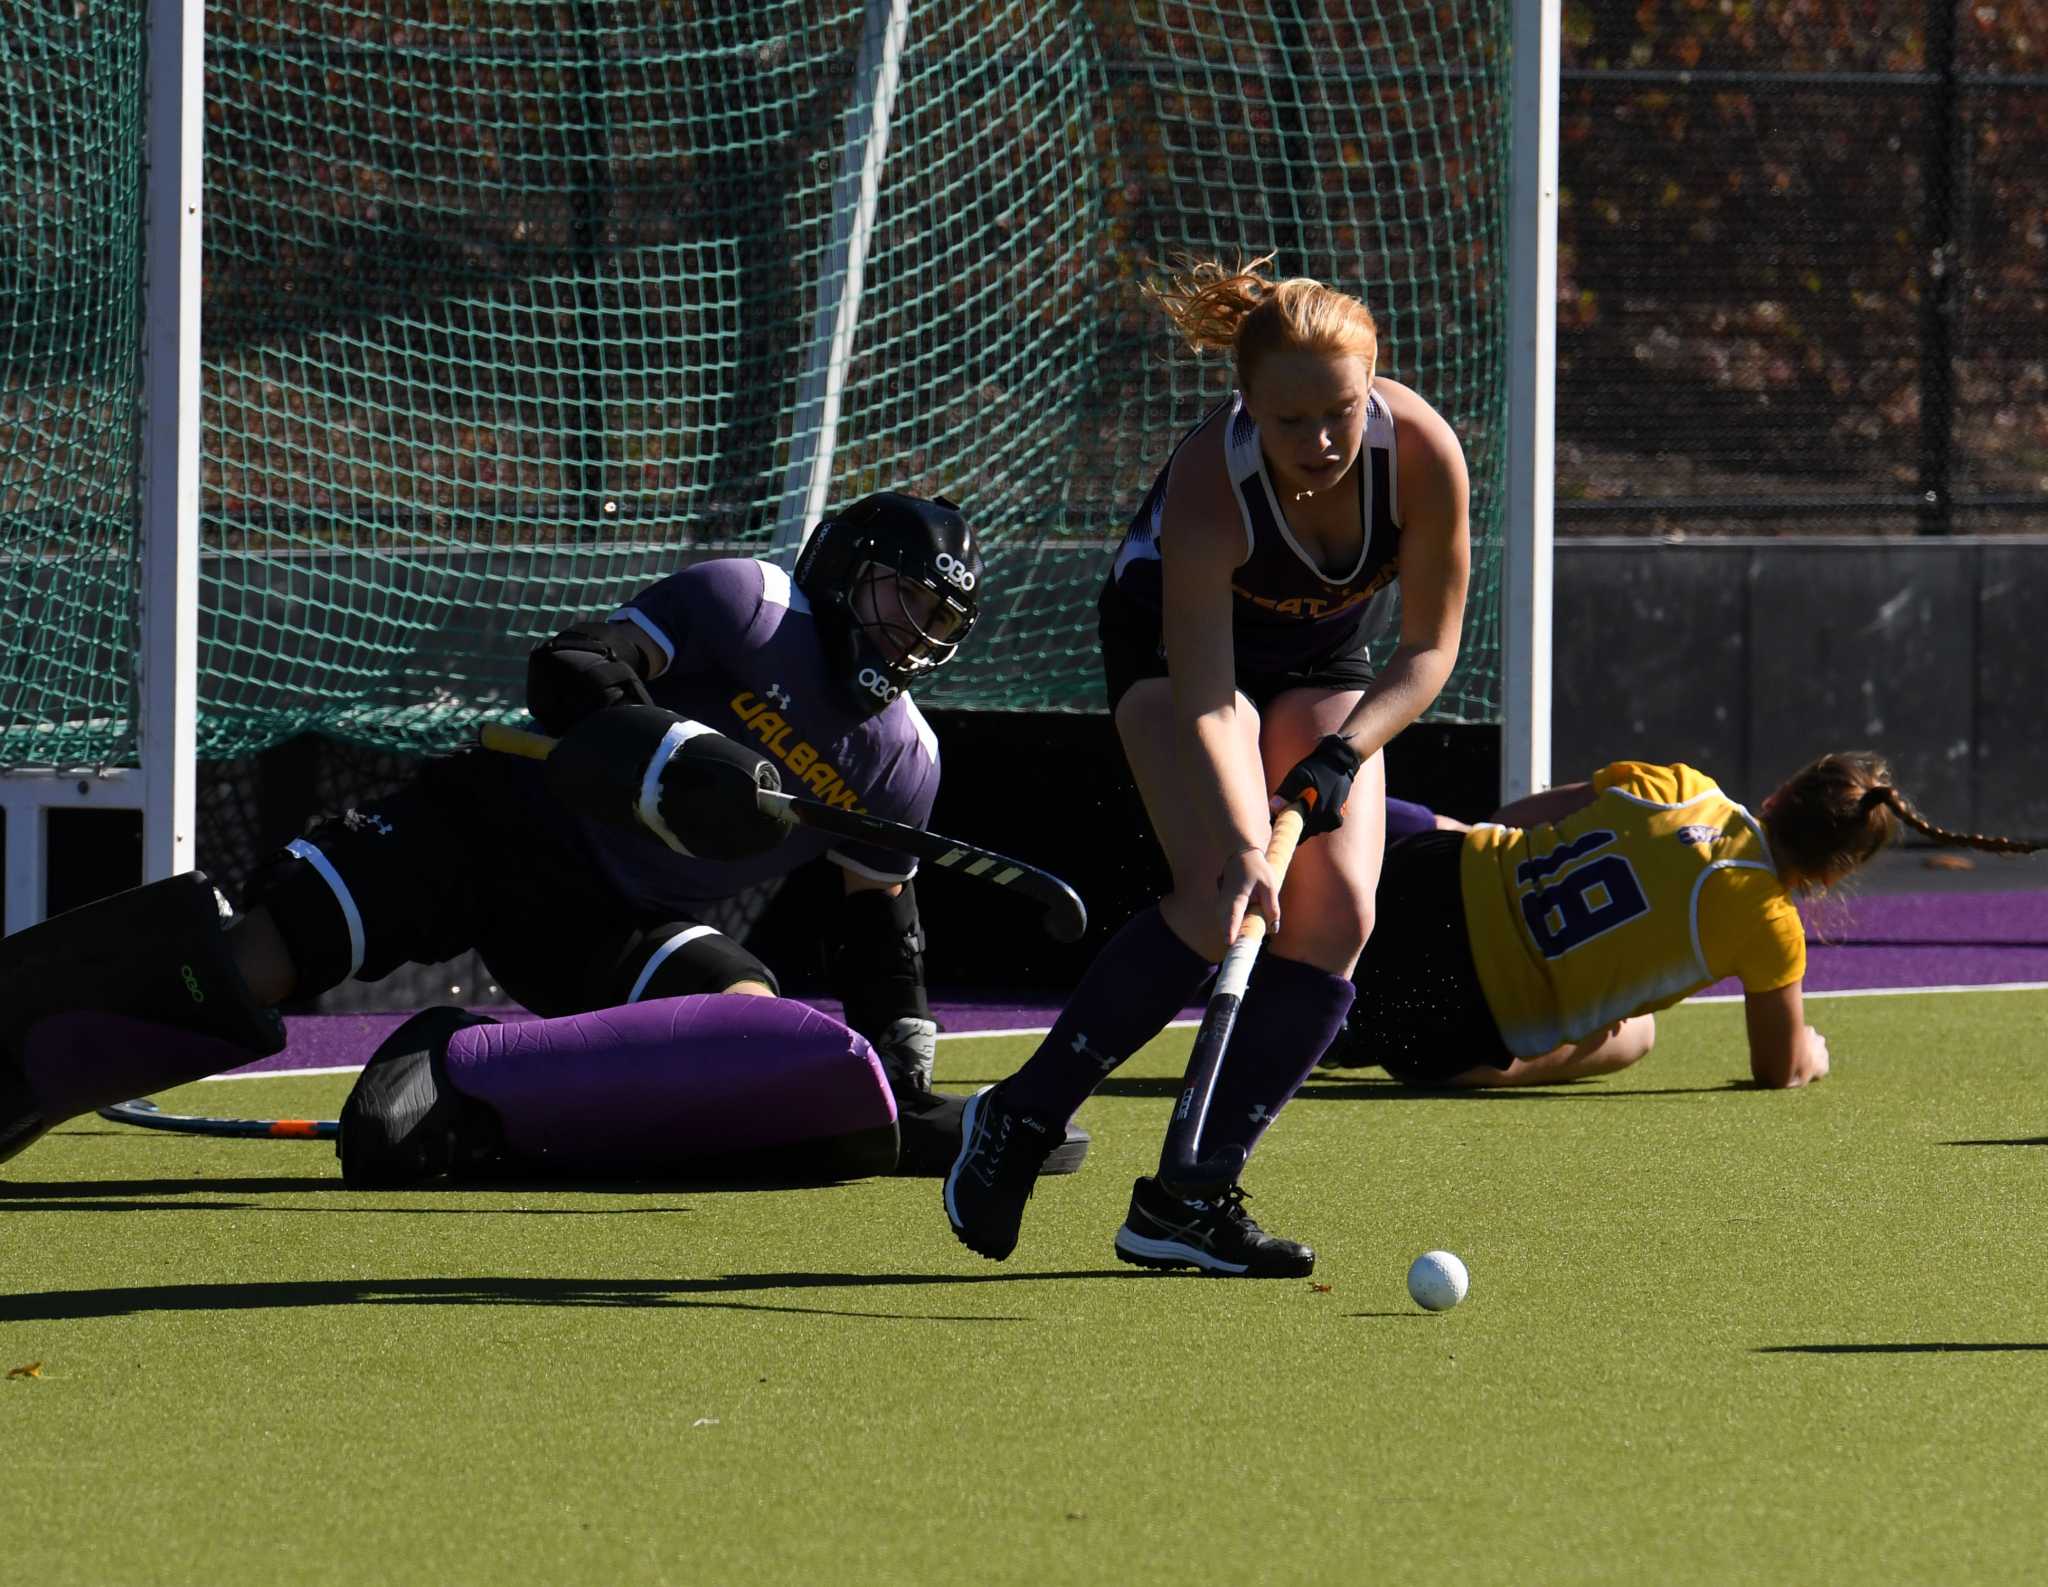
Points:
x=1311, y=607
x=825, y=782
x=810, y=769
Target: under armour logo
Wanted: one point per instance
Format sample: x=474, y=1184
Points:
x=1259, y=1114
x=1102, y=1059
x=777, y=696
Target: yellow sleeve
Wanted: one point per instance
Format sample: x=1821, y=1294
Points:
x=1750, y=929
x=1669, y=785
x=1624, y=774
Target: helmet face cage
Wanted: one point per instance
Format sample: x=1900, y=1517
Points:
x=913, y=623
x=899, y=576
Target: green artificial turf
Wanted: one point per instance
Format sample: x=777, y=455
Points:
x=1714, y=1334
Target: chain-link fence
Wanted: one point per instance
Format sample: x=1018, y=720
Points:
x=1803, y=278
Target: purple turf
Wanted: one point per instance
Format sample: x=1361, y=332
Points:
x=1899, y=940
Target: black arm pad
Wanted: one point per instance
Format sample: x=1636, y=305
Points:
x=588, y=668
x=638, y=765
x=876, y=961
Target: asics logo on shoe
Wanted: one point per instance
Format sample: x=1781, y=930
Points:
x=983, y=1155
x=1189, y=1229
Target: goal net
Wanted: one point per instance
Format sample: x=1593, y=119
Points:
x=511, y=308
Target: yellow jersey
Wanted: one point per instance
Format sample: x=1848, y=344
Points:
x=1660, y=886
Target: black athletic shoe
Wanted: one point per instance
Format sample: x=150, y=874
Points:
x=1002, y=1153
x=930, y=1125
x=1208, y=1230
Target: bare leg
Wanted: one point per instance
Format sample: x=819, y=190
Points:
x=261, y=955
x=1326, y=908
x=1605, y=1053
x=1144, y=721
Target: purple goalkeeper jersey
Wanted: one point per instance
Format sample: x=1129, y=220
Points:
x=745, y=658
x=1285, y=609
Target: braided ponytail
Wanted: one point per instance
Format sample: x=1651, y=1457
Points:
x=1886, y=794
x=1831, y=816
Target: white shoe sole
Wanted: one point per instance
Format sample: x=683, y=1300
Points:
x=968, y=1116
x=1147, y=1252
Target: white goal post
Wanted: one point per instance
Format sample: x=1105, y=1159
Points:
x=164, y=693
x=1531, y=401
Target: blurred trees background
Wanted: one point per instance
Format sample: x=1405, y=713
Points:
x=1804, y=244
x=1804, y=266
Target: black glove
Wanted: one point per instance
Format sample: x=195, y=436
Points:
x=582, y=670
x=1322, y=782
x=703, y=800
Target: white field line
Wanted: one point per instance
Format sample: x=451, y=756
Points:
x=1895, y=991
x=1724, y=997
x=277, y=1074
x=1190, y=1024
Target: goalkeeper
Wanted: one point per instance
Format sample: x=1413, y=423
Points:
x=803, y=682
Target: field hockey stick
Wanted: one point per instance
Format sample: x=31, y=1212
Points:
x=147, y=1115
x=1180, y=1159
x=1066, y=917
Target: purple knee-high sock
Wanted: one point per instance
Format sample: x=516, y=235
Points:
x=1291, y=1013
x=1143, y=976
x=1405, y=820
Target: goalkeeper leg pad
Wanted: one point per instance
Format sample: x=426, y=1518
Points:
x=711, y=1086
x=118, y=998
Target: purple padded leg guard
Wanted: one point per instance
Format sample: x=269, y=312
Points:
x=1405, y=820
x=678, y=1084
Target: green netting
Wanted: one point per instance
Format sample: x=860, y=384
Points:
x=508, y=308
x=70, y=351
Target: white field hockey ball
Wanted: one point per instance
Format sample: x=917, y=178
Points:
x=1437, y=1280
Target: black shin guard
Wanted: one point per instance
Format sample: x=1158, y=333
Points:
x=155, y=956
x=404, y=1124
x=876, y=960
x=21, y=1116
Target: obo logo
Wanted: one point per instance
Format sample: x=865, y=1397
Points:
x=958, y=573
x=877, y=685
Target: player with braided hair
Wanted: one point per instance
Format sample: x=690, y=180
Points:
x=1233, y=639
x=1537, y=947
x=761, y=679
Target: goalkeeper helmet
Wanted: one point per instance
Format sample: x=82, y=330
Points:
x=894, y=582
